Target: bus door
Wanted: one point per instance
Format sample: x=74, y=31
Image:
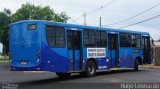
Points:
x=146, y=49
x=113, y=49
x=74, y=50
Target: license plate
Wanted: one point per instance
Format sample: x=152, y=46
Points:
x=23, y=63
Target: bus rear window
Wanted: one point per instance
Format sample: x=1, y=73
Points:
x=32, y=27
x=55, y=36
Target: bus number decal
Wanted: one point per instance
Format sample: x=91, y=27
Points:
x=96, y=52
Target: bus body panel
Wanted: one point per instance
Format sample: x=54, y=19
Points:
x=126, y=57
x=22, y=42
x=54, y=58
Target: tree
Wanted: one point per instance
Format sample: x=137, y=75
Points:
x=30, y=11
x=26, y=12
x=4, y=21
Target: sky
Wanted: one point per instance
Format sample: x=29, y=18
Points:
x=116, y=11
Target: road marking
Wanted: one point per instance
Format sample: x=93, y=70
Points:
x=114, y=80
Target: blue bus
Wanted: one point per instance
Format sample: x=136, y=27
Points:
x=38, y=45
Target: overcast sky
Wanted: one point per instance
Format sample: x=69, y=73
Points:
x=119, y=10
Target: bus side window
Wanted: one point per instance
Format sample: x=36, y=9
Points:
x=135, y=40
x=76, y=40
x=69, y=42
x=98, y=38
x=101, y=39
x=89, y=38
x=122, y=40
x=50, y=35
x=60, y=37
x=125, y=40
x=55, y=36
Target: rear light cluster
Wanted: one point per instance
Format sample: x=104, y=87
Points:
x=38, y=55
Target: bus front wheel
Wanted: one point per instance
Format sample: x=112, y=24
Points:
x=63, y=75
x=136, y=65
x=90, y=69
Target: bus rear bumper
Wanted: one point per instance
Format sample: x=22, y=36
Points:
x=38, y=68
x=14, y=68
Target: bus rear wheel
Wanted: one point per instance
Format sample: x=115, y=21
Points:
x=90, y=69
x=63, y=75
x=136, y=65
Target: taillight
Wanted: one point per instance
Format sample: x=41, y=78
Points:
x=38, y=57
x=38, y=54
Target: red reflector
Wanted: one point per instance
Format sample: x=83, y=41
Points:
x=38, y=56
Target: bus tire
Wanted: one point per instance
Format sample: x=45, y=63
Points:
x=63, y=75
x=136, y=65
x=90, y=68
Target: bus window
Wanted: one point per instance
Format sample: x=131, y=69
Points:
x=135, y=40
x=138, y=42
x=60, y=38
x=76, y=40
x=50, y=35
x=55, y=36
x=146, y=50
x=32, y=27
x=98, y=38
x=104, y=39
x=101, y=38
x=125, y=40
x=89, y=38
x=112, y=42
x=70, y=41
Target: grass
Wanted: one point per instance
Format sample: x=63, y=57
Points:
x=4, y=58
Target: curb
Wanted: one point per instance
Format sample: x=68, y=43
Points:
x=150, y=66
x=34, y=71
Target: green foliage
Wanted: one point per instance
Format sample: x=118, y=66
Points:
x=26, y=12
x=4, y=21
x=4, y=58
x=30, y=11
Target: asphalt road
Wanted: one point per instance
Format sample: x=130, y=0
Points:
x=49, y=80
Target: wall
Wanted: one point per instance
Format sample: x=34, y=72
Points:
x=156, y=55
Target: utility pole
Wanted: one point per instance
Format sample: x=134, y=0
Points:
x=84, y=19
x=100, y=21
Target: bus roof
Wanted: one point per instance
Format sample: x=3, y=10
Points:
x=79, y=26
